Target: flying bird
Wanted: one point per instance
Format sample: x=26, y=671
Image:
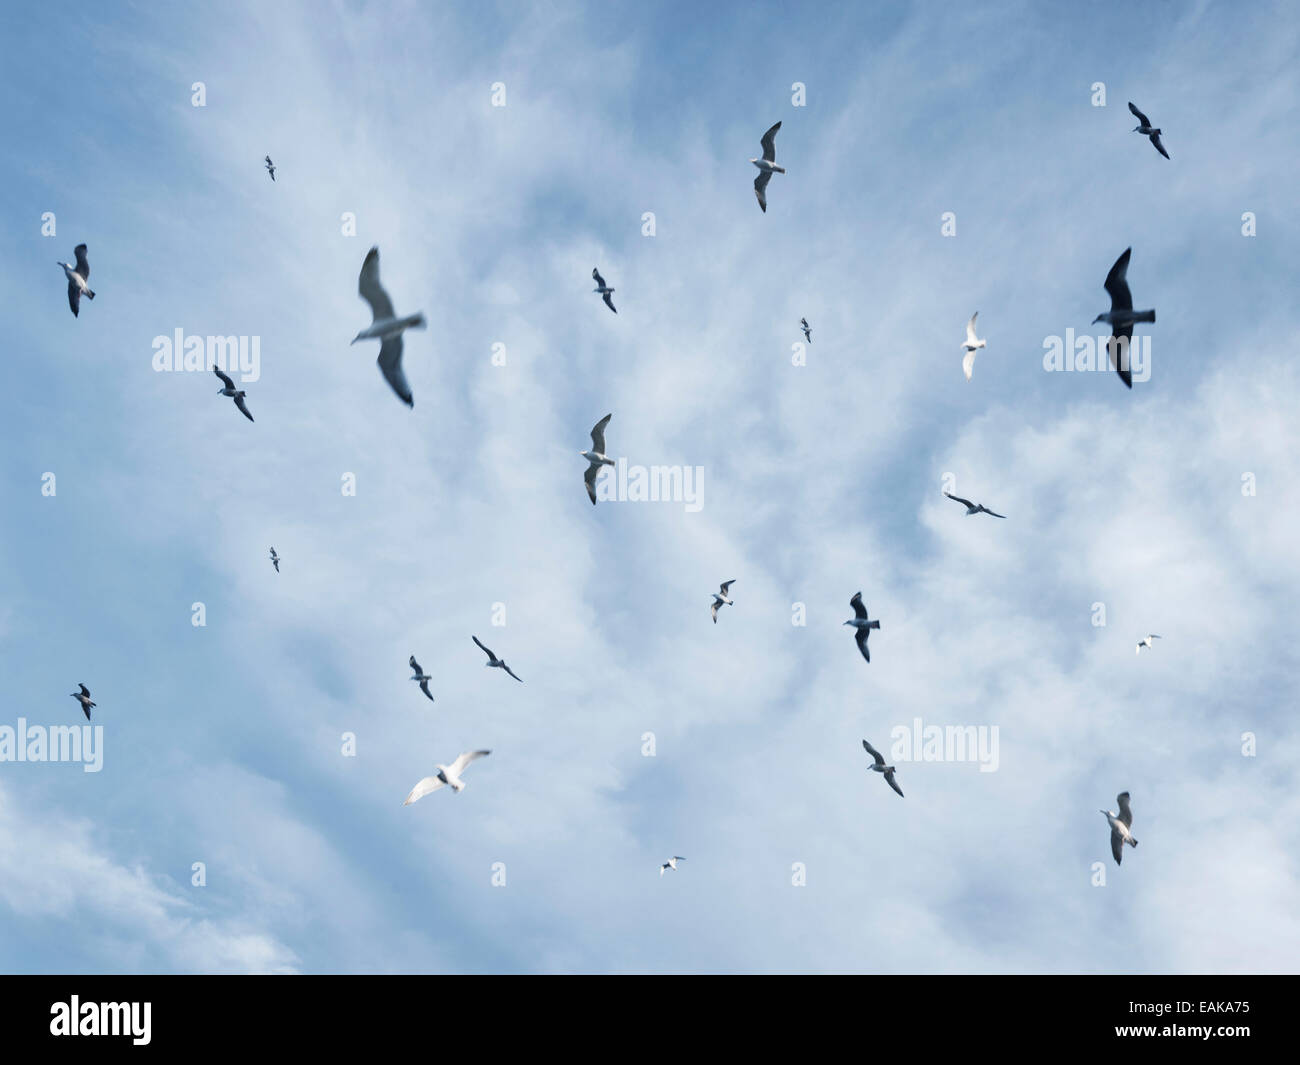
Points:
x=1146, y=642
x=1119, y=827
x=720, y=598
x=386, y=327
x=596, y=457
x=671, y=863
x=766, y=166
x=973, y=508
x=83, y=697
x=77, y=277
x=445, y=774
x=1121, y=317
x=1147, y=130
x=605, y=291
x=972, y=345
x=807, y=329
x=861, y=625
x=237, y=394
x=270, y=167
x=880, y=767
x=493, y=660
x=275, y=560
x=422, y=677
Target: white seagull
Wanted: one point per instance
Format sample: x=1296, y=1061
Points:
x=766, y=166
x=880, y=767
x=1121, y=317
x=422, y=677
x=1119, y=827
x=973, y=508
x=1146, y=642
x=445, y=774
x=807, y=329
x=1147, y=130
x=77, y=277
x=671, y=863
x=386, y=327
x=493, y=661
x=270, y=167
x=862, y=627
x=275, y=560
x=605, y=291
x=228, y=389
x=972, y=345
x=83, y=697
x=596, y=457
x=721, y=598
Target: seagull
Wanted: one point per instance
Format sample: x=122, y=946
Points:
x=807, y=329
x=974, y=508
x=1146, y=642
x=446, y=774
x=671, y=863
x=720, y=597
x=972, y=345
x=77, y=277
x=270, y=167
x=1144, y=127
x=1121, y=315
x=767, y=166
x=275, y=560
x=596, y=457
x=83, y=697
x=386, y=327
x=229, y=389
x=493, y=660
x=860, y=623
x=880, y=767
x=605, y=291
x=1119, y=827
x=422, y=677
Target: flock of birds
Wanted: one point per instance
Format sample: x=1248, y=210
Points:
x=388, y=327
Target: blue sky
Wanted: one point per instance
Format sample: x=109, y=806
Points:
x=222, y=744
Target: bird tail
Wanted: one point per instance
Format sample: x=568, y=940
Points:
x=1145, y=316
x=779, y=169
x=90, y=295
x=873, y=624
x=415, y=321
x=1133, y=841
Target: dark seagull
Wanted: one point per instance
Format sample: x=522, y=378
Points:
x=766, y=166
x=605, y=291
x=1119, y=827
x=270, y=167
x=237, y=394
x=422, y=677
x=387, y=328
x=973, y=508
x=1147, y=130
x=807, y=329
x=493, y=660
x=83, y=697
x=861, y=625
x=880, y=767
x=275, y=560
x=596, y=457
x=1121, y=317
x=722, y=597
x=77, y=277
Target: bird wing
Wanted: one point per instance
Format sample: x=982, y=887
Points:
x=276, y=563
x=727, y=584
x=1117, y=284
x=968, y=364
x=803, y=322
x=992, y=513
x=458, y=766
x=598, y=434
x=511, y=672
x=880, y=758
x=595, y=276
x=1125, y=811
x=714, y=609
x=970, y=329
x=608, y=297
x=1117, y=846
x=371, y=290
x=415, y=665
x=224, y=379
x=859, y=608
x=239, y=402
x=74, y=298
x=83, y=266
x=590, y=478
x=760, y=188
x=84, y=690
x=390, y=365
x=769, y=143
x=1125, y=333
x=424, y=687
x=422, y=789
x=958, y=499
x=490, y=655
x=889, y=778
x=861, y=636
x=1155, y=139
x=1138, y=114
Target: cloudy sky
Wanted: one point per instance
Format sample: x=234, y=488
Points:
x=1171, y=507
